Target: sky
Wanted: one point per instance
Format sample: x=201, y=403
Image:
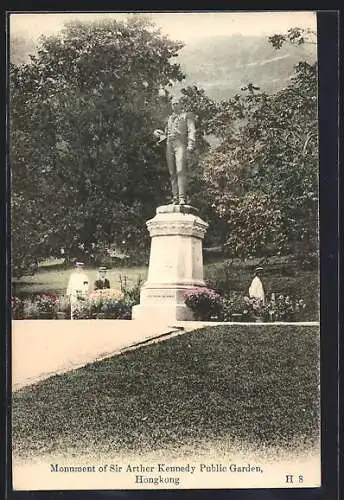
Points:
x=184, y=26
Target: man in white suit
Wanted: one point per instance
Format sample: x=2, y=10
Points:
x=256, y=289
x=78, y=286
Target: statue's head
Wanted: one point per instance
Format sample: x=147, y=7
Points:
x=176, y=105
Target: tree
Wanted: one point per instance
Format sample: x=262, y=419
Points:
x=294, y=36
x=268, y=158
x=82, y=151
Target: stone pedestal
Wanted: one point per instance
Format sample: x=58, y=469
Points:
x=175, y=264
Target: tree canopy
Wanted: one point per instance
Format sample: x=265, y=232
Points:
x=86, y=170
x=263, y=177
x=85, y=167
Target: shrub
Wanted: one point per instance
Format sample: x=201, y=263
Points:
x=232, y=305
x=282, y=277
x=256, y=308
x=111, y=304
x=36, y=306
x=104, y=300
x=132, y=295
x=204, y=302
x=119, y=310
x=17, y=307
x=284, y=308
x=30, y=309
x=64, y=305
x=82, y=310
x=46, y=303
x=305, y=285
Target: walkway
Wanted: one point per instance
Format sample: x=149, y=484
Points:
x=43, y=348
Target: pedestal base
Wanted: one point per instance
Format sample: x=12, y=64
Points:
x=175, y=265
x=162, y=313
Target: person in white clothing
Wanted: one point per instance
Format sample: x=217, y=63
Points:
x=256, y=289
x=78, y=286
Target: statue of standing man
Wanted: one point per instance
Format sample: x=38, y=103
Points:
x=180, y=135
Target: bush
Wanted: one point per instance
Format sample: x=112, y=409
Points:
x=284, y=308
x=39, y=306
x=204, y=302
x=30, y=309
x=17, y=307
x=207, y=304
x=132, y=295
x=47, y=304
x=305, y=285
x=82, y=310
x=64, y=305
x=282, y=278
x=234, y=307
x=107, y=303
x=104, y=300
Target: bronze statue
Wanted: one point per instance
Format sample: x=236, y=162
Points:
x=180, y=136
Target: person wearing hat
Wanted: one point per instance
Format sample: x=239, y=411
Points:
x=256, y=289
x=78, y=286
x=180, y=136
x=101, y=281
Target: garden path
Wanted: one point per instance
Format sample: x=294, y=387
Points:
x=43, y=348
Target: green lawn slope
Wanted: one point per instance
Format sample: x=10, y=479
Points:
x=249, y=384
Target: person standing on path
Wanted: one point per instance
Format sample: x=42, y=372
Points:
x=78, y=287
x=256, y=289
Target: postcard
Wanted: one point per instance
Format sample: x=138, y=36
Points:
x=165, y=250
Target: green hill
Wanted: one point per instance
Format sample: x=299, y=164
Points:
x=222, y=65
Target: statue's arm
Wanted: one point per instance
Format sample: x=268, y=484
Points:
x=161, y=134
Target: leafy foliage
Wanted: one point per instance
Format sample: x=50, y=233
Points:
x=204, y=302
x=84, y=165
x=86, y=170
x=295, y=36
x=264, y=175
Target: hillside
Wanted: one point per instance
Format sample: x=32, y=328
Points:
x=222, y=64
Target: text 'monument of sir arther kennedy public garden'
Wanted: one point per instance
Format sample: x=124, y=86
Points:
x=159, y=473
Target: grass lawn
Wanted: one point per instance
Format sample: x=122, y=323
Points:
x=280, y=278
x=241, y=383
x=54, y=279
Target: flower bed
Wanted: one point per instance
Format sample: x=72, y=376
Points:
x=42, y=306
x=105, y=304
x=208, y=305
x=204, y=302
